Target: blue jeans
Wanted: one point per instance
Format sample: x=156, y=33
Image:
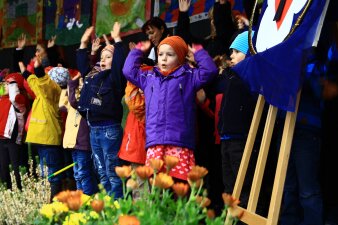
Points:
x=302, y=200
x=83, y=171
x=105, y=142
x=53, y=157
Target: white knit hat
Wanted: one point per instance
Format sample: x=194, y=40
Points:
x=60, y=75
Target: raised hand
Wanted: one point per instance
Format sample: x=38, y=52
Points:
x=86, y=37
x=51, y=42
x=106, y=39
x=184, y=5
x=195, y=47
x=131, y=45
x=22, y=41
x=115, y=32
x=95, y=46
x=144, y=46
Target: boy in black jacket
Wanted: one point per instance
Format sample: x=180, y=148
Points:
x=235, y=116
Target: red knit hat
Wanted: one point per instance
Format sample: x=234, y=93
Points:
x=179, y=46
x=17, y=77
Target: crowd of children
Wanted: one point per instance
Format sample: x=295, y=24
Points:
x=171, y=86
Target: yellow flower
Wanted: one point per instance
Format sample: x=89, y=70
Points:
x=163, y=181
x=123, y=171
x=75, y=219
x=106, y=198
x=94, y=215
x=180, y=189
x=156, y=164
x=47, y=211
x=116, y=204
x=59, y=207
x=85, y=198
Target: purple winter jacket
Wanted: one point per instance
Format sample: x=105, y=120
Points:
x=170, y=100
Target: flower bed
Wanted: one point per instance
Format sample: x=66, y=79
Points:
x=161, y=201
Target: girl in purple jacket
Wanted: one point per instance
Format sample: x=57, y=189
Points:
x=170, y=89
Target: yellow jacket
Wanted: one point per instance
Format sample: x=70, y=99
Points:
x=45, y=122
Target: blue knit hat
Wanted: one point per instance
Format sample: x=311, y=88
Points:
x=241, y=42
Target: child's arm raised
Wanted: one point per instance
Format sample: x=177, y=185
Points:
x=81, y=54
x=206, y=70
x=131, y=68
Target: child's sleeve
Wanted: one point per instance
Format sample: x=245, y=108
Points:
x=132, y=71
x=135, y=100
x=82, y=61
x=72, y=86
x=17, y=99
x=206, y=71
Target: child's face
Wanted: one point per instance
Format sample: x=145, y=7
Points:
x=40, y=52
x=236, y=56
x=154, y=34
x=167, y=58
x=106, y=60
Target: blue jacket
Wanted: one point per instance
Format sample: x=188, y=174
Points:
x=170, y=100
x=101, y=94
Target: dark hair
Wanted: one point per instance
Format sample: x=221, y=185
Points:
x=158, y=23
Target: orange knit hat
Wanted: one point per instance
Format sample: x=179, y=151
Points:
x=179, y=46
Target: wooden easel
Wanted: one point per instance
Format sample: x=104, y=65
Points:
x=250, y=217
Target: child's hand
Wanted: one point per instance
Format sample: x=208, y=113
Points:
x=144, y=46
x=95, y=46
x=22, y=67
x=184, y=5
x=115, y=32
x=22, y=41
x=51, y=41
x=195, y=47
x=37, y=62
x=201, y=96
x=132, y=45
x=86, y=35
x=241, y=22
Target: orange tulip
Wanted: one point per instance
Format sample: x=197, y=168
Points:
x=63, y=196
x=144, y=172
x=74, y=203
x=229, y=200
x=123, y=171
x=204, y=201
x=163, y=181
x=180, y=189
x=201, y=171
x=97, y=205
x=128, y=220
x=211, y=213
x=193, y=176
x=132, y=184
x=171, y=161
x=235, y=211
x=156, y=164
